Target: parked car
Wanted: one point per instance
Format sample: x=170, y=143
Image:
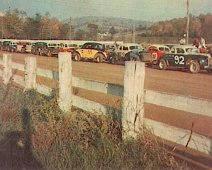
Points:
x=5, y=45
x=12, y=46
x=184, y=49
x=125, y=52
x=69, y=47
x=38, y=47
x=153, y=53
x=193, y=62
x=21, y=46
x=51, y=49
x=28, y=47
x=91, y=51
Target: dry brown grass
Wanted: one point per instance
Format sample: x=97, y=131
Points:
x=81, y=140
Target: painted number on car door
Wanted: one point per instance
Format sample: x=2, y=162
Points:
x=179, y=60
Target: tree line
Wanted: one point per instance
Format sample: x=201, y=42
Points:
x=199, y=26
x=16, y=24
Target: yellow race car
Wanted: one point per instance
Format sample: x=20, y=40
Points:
x=91, y=51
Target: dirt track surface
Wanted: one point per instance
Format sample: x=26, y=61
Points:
x=177, y=82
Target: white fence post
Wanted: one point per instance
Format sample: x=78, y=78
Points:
x=30, y=72
x=133, y=100
x=65, y=81
x=7, y=68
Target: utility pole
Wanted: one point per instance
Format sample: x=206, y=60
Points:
x=70, y=30
x=133, y=31
x=2, y=27
x=187, y=25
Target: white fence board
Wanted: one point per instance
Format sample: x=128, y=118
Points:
x=18, y=66
x=102, y=87
x=45, y=90
x=1, y=62
x=19, y=80
x=48, y=73
x=178, y=102
x=180, y=136
x=92, y=106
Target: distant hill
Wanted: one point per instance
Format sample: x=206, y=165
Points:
x=105, y=23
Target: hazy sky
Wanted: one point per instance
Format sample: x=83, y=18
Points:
x=149, y=10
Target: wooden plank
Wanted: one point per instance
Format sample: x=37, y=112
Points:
x=133, y=100
x=19, y=80
x=30, y=72
x=7, y=68
x=178, y=102
x=92, y=106
x=18, y=66
x=48, y=73
x=65, y=81
x=45, y=90
x=180, y=136
x=102, y=87
x=1, y=62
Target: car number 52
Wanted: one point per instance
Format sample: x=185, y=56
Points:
x=179, y=59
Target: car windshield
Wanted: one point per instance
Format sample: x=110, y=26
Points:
x=134, y=47
x=191, y=50
x=93, y=46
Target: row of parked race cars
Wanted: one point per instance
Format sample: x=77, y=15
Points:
x=164, y=56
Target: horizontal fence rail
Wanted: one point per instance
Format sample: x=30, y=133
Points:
x=197, y=106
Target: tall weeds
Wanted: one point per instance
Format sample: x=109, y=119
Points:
x=80, y=140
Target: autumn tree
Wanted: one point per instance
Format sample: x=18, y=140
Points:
x=32, y=27
x=14, y=24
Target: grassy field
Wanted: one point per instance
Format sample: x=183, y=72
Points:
x=35, y=134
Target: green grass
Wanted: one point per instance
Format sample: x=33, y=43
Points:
x=43, y=138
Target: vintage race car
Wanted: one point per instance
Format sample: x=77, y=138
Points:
x=193, y=62
x=153, y=53
x=91, y=51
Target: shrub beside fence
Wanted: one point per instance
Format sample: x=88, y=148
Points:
x=133, y=93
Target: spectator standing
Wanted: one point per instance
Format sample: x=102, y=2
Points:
x=183, y=40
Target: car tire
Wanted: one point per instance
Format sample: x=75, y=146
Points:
x=99, y=57
x=162, y=64
x=194, y=67
x=22, y=50
x=49, y=54
x=77, y=57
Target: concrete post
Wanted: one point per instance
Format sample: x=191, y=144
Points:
x=65, y=81
x=30, y=72
x=133, y=100
x=7, y=68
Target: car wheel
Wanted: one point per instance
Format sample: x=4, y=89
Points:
x=49, y=54
x=77, y=57
x=162, y=64
x=194, y=67
x=99, y=58
x=22, y=50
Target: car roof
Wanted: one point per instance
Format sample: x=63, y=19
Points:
x=183, y=46
x=92, y=43
x=158, y=45
x=130, y=44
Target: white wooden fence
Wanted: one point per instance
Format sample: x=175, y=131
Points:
x=133, y=93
